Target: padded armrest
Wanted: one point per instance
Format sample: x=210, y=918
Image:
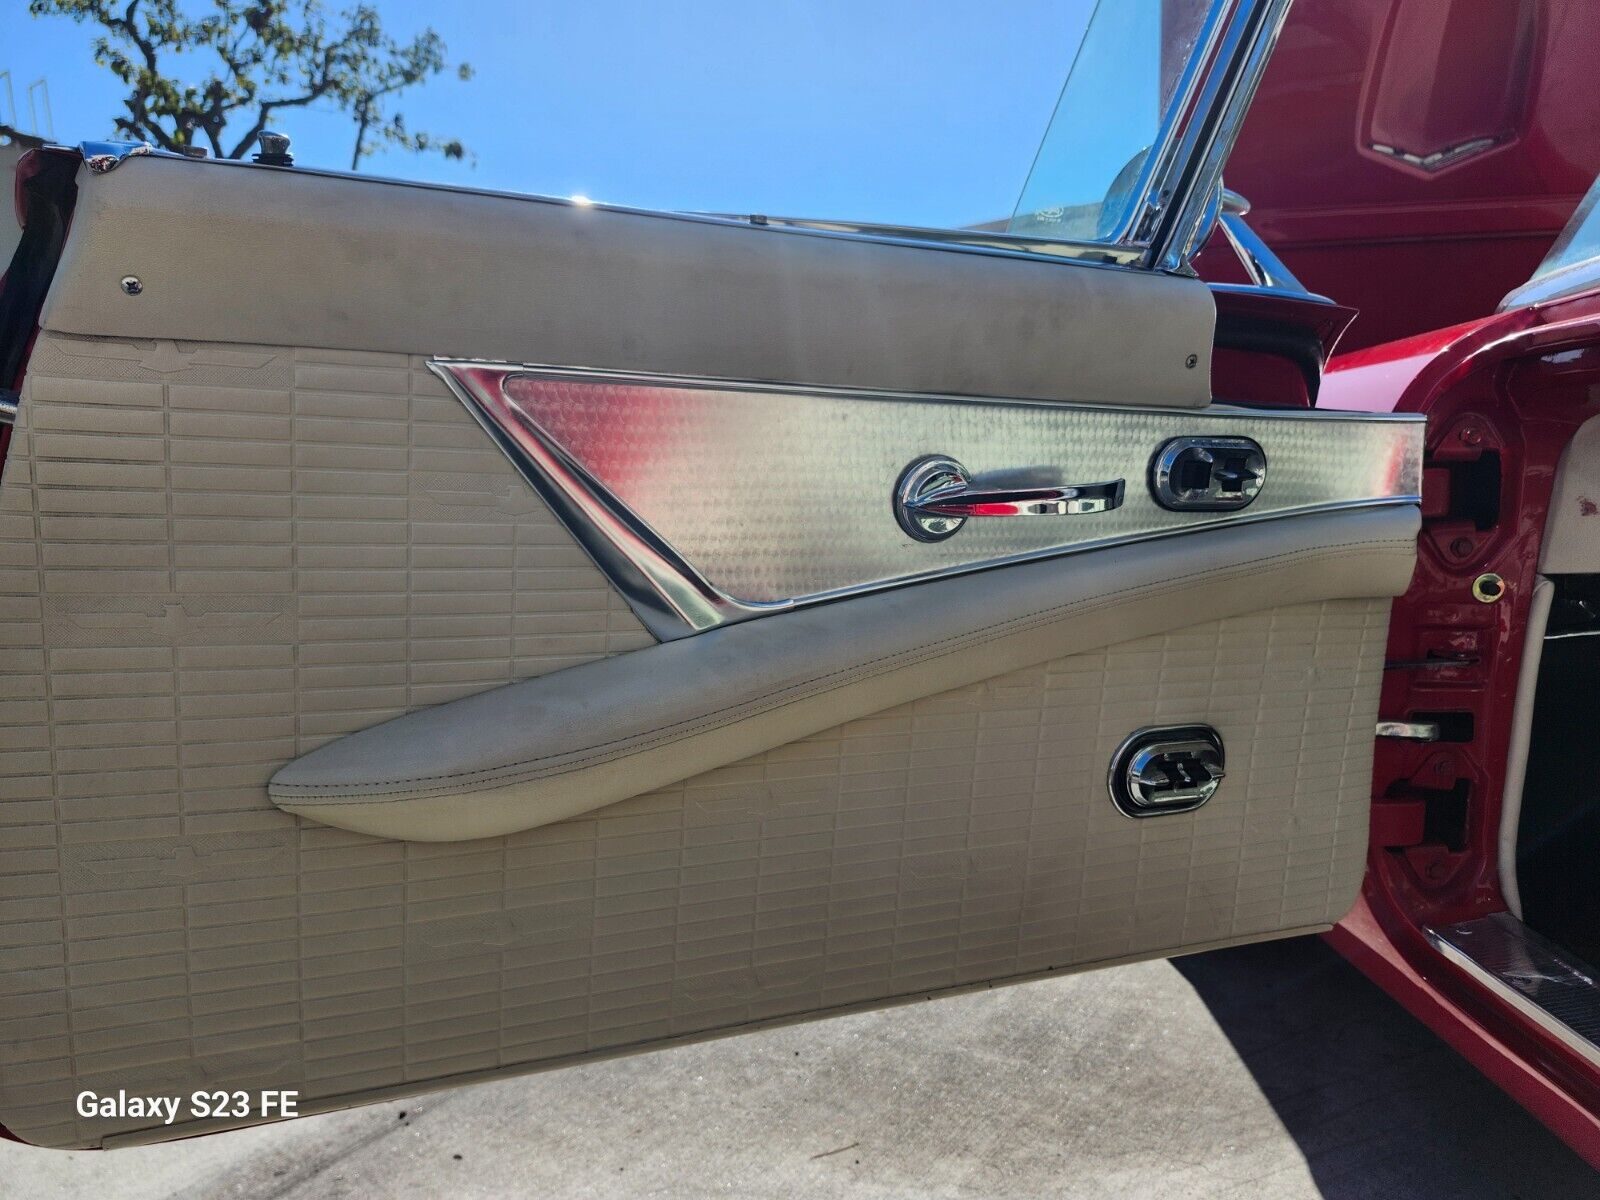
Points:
x=566, y=743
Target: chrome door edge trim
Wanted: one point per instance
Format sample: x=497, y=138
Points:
x=1515, y=934
x=1229, y=90
x=673, y=600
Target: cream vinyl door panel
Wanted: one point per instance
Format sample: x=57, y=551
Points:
x=230, y=253
x=216, y=558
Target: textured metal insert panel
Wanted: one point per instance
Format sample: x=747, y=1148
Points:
x=777, y=494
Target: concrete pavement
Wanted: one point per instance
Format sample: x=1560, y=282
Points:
x=1264, y=1072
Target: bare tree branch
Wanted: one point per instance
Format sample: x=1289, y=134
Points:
x=27, y=140
x=271, y=55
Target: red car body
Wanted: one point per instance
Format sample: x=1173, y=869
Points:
x=1425, y=257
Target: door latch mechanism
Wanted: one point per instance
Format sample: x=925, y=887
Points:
x=1168, y=769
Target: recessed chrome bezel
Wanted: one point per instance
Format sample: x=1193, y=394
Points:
x=922, y=478
x=1122, y=776
x=1171, y=494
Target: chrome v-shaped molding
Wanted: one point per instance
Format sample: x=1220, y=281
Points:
x=708, y=502
x=670, y=598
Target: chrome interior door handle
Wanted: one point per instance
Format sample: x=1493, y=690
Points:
x=1022, y=502
x=935, y=497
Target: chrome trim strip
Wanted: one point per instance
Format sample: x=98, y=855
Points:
x=674, y=596
x=668, y=595
x=1438, y=160
x=1264, y=267
x=806, y=390
x=1581, y=276
x=1221, y=106
x=9, y=406
x=1112, y=253
x=1530, y=973
x=1085, y=254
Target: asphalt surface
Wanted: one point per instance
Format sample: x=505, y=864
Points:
x=1270, y=1071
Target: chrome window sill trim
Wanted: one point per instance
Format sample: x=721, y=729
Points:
x=1104, y=256
x=673, y=599
x=1560, y=284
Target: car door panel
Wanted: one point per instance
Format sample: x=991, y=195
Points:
x=230, y=559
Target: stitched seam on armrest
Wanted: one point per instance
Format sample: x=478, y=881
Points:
x=481, y=779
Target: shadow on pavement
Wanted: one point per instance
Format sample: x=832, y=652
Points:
x=1377, y=1104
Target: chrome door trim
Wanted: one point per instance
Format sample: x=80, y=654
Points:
x=1099, y=255
x=670, y=598
x=1186, y=193
x=671, y=591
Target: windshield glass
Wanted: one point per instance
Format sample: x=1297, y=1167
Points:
x=1125, y=91
x=1033, y=125
x=1579, y=241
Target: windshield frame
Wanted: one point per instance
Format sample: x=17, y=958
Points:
x=1178, y=201
x=1174, y=203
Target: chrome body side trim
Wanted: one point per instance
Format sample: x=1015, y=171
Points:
x=1582, y=276
x=698, y=498
x=9, y=403
x=1530, y=973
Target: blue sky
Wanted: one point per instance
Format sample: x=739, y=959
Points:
x=889, y=110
